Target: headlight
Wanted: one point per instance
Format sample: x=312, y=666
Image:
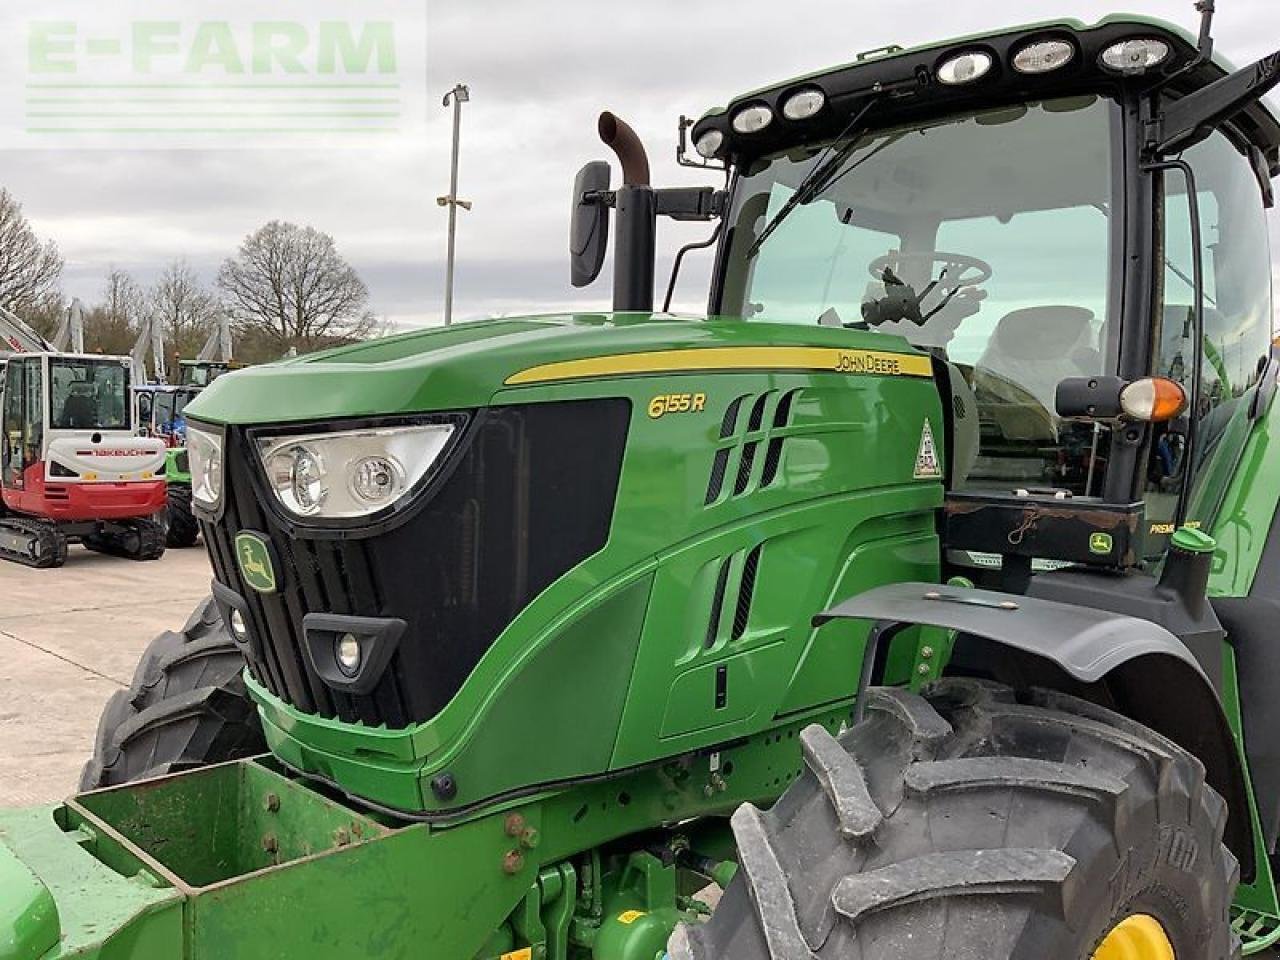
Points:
x=353, y=473
x=204, y=450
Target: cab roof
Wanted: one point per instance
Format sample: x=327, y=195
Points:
x=905, y=82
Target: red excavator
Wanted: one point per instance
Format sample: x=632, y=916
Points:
x=72, y=467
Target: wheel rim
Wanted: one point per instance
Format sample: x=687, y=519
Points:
x=1136, y=937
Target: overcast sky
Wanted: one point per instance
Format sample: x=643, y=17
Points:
x=539, y=74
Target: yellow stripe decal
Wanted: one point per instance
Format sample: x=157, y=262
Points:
x=714, y=359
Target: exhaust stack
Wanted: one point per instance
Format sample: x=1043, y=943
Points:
x=636, y=206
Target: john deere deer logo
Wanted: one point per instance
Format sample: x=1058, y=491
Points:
x=254, y=557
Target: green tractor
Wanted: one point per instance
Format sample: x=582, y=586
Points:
x=921, y=596
x=161, y=412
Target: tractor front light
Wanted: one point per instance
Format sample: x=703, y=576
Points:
x=1043, y=56
x=709, y=144
x=804, y=104
x=965, y=68
x=348, y=654
x=204, y=451
x=1136, y=56
x=351, y=473
x=752, y=119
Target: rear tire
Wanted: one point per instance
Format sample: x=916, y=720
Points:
x=182, y=529
x=187, y=707
x=969, y=823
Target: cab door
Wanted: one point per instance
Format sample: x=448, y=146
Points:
x=21, y=421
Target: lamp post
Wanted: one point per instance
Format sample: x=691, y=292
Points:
x=458, y=95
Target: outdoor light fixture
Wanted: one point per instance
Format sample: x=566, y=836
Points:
x=1153, y=400
x=204, y=451
x=709, y=143
x=965, y=68
x=1136, y=56
x=350, y=473
x=752, y=119
x=347, y=652
x=1044, y=56
x=804, y=104
x=350, y=653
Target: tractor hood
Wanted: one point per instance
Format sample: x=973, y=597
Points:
x=468, y=365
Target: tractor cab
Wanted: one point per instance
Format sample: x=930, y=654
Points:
x=201, y=373
x=159, y=411
x=1097, y=305
x=71, y=463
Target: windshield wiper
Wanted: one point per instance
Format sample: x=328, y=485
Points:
x=815, y=181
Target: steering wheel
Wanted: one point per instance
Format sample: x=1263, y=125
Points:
x=958, y=266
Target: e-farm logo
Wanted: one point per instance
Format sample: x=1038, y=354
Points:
x=204, y=73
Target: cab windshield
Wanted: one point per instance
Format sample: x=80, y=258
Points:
x=88, y=394
x=984, y=238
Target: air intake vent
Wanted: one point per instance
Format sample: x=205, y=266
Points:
x=773, y=455
x=757, y=442
x=746, y=592
x=744, y=468
x=717, y=602
x=730, y=421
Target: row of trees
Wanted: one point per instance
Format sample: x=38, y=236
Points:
x=287, y=287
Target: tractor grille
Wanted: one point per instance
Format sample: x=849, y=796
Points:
x=530, y=496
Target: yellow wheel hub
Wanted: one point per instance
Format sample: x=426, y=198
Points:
x=1136, y=937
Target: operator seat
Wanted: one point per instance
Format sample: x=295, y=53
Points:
x=1036, y=348
x=78, y=411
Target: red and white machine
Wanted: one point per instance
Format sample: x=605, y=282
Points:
x=72, y=466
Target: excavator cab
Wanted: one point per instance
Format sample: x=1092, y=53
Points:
x=71, y=466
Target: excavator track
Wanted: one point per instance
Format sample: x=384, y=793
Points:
x=131, y=539
x=32, y=542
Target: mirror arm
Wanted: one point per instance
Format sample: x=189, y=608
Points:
x=1183, y=122
x=691, y=203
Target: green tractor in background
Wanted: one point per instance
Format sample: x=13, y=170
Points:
x=161, y=412
x=922, y=595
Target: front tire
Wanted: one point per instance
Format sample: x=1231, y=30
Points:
x=972, y=823
x=187, y=707
x=181, y=529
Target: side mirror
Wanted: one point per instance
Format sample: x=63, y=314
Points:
x=589, y=223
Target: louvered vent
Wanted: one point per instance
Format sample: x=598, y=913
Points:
x=759, y=441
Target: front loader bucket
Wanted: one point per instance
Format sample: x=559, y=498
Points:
x=238, y=862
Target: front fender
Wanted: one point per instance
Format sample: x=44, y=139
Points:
x=1136, y=667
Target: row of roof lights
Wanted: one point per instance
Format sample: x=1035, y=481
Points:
x=1129, y=57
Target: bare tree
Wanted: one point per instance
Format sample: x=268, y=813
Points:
x=186, y=310
x=111, y=326
x=289, y=286
x=29, y=267
x=45, y=312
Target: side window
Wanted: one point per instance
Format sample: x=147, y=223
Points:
x=33, y=415
x=11, y=442
x=1237, y=327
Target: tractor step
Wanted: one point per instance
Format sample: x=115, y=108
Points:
x=1257, y=931
x=32, y=542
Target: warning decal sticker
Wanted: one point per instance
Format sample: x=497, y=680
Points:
x=928, y=464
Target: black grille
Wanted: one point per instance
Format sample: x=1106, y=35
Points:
x=530, y=496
